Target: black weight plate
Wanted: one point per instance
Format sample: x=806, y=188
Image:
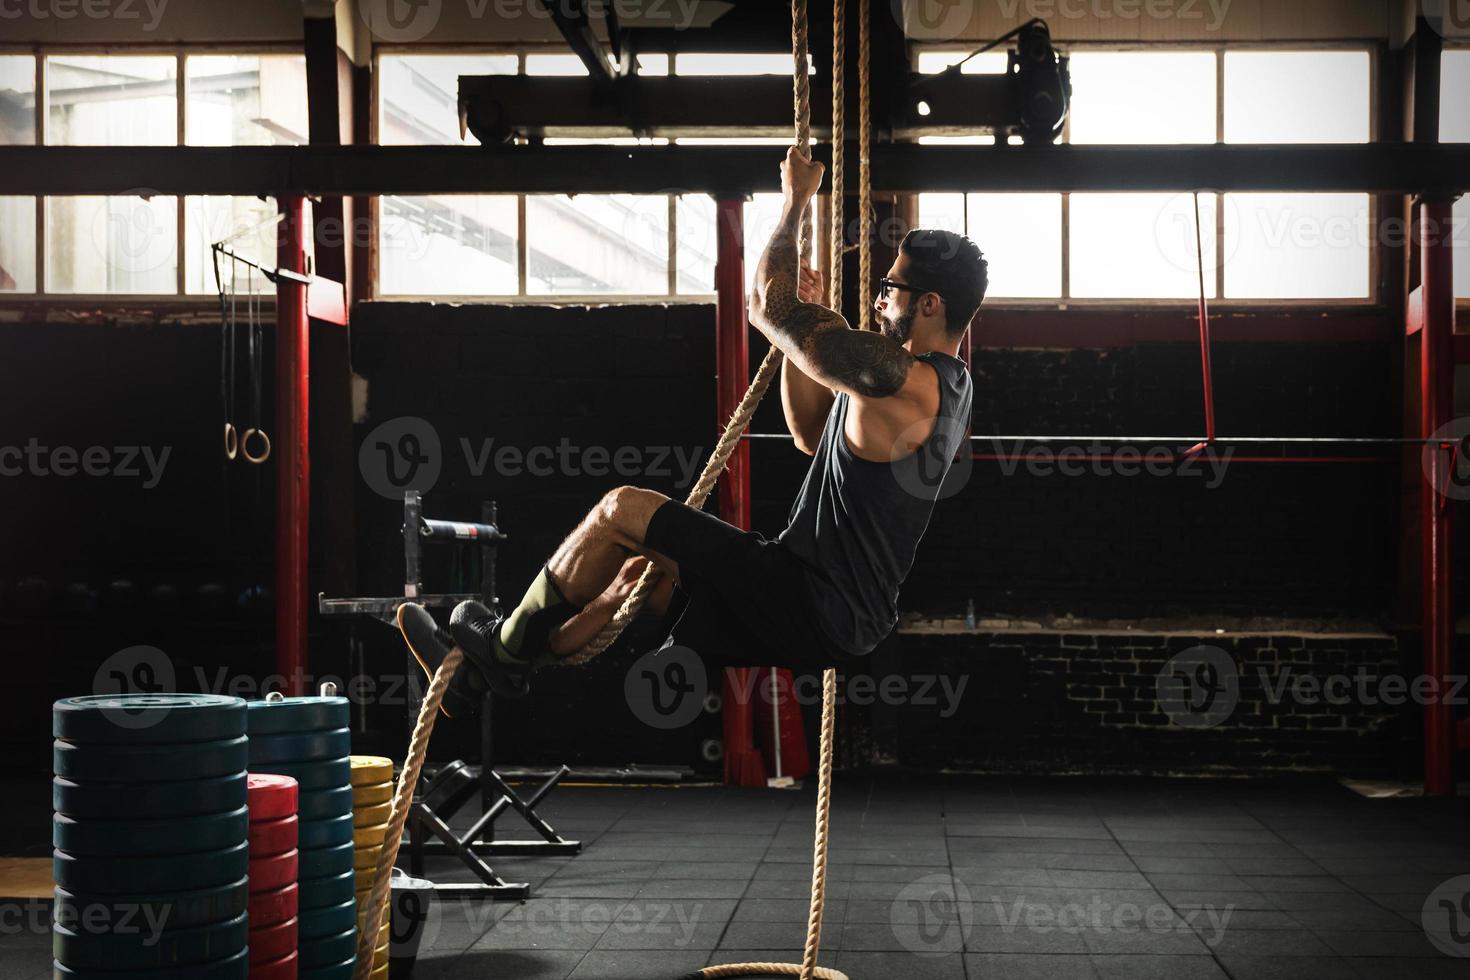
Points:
x=202, y=832
x=319, y=923
x=299, y=747
x=322, y=804
x=235, y=967
x=332, y=949
x=180, y=910
x=148, y=946
x=128, y=801
x=85, y=761
x=324, y=892
x=167, y=873
x=311, y=776
x=330, y=832
x=118, y=719
x=325, y=862
x=310, y=714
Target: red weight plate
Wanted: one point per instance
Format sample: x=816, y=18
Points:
x=268, y=874
x=273, y=942
x=277, y=905
x=281, y=969
x=270, y=797
x=268, y=837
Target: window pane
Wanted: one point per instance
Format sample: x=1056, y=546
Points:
x=1462, y=247
x=762, y=214
x=111, y=245
x=710, y=63
x=1297, y=246
x=697, y=243
x=17, y=100
x=1021, y=237
x=17, y=244
x=1454, y=109
x=213, y=219
x=592, y=244
x=1140, y=246
x=945, y=211
x=1297, y=96
x=1129, y=97
x=447, y=245
x=251, y=100
x=111, y=100
x=418, y=95
x=989, y=63
x=554, y=64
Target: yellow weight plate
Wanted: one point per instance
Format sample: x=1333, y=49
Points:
x=366, y=857
x=366, y=815
x=372, y=795
x=370, y=769
x=370, y=836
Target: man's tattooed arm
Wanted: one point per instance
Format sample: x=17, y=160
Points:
x=817, y=339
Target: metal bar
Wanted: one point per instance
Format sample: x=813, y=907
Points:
x=1188, y=440
x=293, y=460
x=725, y=171
x=1192, y=453
x=732, y=368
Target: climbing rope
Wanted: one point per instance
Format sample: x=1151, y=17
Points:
x=837, y=234
x=865, y=179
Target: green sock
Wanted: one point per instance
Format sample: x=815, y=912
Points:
x=526, y=633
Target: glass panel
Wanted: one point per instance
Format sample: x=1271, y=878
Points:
x=448, y=245
x=1297, y=96
x=1454, y=108
x=17, y=101
x=945, y=211
x=418, y=95
x=111, y=245
x=249, y=100
x=555, y=64
x=1462, y=248
x=696, y=245
x=1021, y=238
x=711, y=63
x=213, y=219
x=1129, y=97
x=1140, y=246
x=592, y=244
x=17, y=244
x=989, y=63
x=111, y=100
x=1297, y=246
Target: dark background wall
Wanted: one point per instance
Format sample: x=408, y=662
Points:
x=1294, y=540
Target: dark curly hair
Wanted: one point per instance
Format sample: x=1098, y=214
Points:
x=951, y=265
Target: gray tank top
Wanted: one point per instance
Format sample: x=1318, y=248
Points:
x=856, y=524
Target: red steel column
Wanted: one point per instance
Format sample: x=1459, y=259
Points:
x=1436, y=383
x=293, y=466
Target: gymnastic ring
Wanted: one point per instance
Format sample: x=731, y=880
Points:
x=245, y=446
x=712, y=703
x=232, y=441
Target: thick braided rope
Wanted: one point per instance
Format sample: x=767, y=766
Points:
x=808, y=968
x=408, y=780
x=740, y=418
x=865, y=177
x=838, y=234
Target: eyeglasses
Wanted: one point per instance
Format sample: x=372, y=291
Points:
x=886, y=285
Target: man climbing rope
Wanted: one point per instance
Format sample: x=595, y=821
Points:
x=881, y=413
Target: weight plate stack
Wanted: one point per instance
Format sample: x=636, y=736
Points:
x=372, y=801
x=150, y=836
x=307, y=740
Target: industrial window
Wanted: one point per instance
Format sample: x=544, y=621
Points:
x=1454, y=127
x=17, y=214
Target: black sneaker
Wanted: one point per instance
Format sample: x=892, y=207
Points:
x=473, y=626
x=430, y=645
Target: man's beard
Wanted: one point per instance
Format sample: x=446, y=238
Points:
x=898, y=329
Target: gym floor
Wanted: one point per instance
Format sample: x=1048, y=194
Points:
x=992, y=878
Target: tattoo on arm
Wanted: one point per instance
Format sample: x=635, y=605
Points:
x=867, y=364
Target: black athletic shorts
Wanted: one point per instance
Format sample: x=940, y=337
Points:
x=742, y=600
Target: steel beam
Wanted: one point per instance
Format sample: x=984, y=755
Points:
x=292, y=449
x=724, y=171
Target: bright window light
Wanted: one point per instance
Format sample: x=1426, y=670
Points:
x=17, y=100
x=710, y=63
x=597, y=243
x=99, y=245
x=111, y=100
x=1140, y=246
x=989, y=63
x=1297, y=96
x=1297, y=246
x=418, y=94
x=17, y=244
x=1462, y=247
x=246, y=100
x=448, y=245
x=1454, y=107
x=1133, y=97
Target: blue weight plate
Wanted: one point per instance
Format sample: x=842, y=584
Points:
x=177, y=910
x=326, y=862
x=332, y=949
x=84, y=761
x=310, y=776
x=145, y=718
x=335, y=971
x=330, y=832
x=311, y=714
x=319, y=923
x=203, y=832
x=235, y=967
x=300, y=747
x=156, y=873
x=316, y=893
x=321, y=804
x=148, y=945
x=127, y=801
